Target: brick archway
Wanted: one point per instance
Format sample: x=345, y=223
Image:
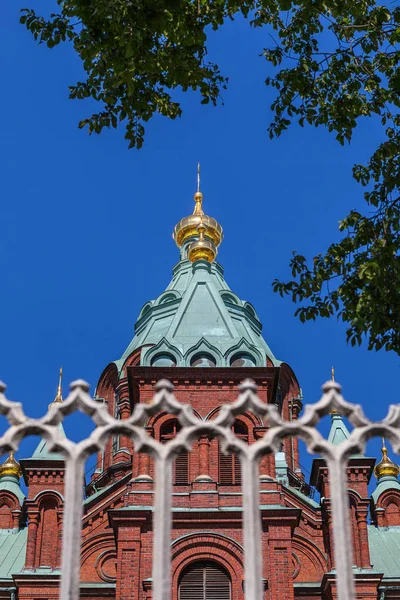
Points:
x=208, y=546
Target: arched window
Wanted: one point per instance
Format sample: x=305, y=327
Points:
x=6, y=519
x=181, y=465
x=202, y=360
x=163, y=360
x=229, y=464
x=117, y=415
x=48, y=533
x=243, y=360
x=205, y=580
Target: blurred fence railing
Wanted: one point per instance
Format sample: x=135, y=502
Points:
x=76, y=454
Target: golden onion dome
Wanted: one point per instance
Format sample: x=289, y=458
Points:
x=188, y=226
x=202, y=249
x=11, y=467
x=386, y=466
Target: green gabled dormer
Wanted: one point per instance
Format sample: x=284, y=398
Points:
x=198, y=320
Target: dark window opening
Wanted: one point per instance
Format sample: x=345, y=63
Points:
x=204, y=580
x=229, y=464
x=181, y=464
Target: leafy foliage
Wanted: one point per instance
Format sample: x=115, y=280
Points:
x=334, y=61
x=134, y=54
x=347, y=66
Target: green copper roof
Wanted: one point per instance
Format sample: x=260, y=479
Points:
x=338, y=432
x=42, y=451
x=10, y=483
x=389, y=482
x=196, y=316
x=384, y=546
x=12, y=552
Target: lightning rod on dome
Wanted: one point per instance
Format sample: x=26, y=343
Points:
x=58, y=399
x=198, y=177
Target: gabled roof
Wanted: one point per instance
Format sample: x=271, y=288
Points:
x=42, y=451
x=338, y=432
x=12, y=552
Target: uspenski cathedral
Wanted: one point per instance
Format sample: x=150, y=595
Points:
x=205, y=339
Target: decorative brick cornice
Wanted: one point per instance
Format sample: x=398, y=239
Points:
x=264, y=377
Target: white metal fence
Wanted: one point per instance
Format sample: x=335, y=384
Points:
x=164, y=399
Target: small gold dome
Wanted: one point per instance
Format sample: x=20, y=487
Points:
x=386, y=466
x=188, y=226
x=11, y=467
x=202, y=249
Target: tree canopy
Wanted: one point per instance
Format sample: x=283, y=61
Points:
x=332, y=63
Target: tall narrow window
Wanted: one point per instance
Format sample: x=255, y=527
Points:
x=117, y=415
x=204, y=580
x=181, y=464
x=229, y=464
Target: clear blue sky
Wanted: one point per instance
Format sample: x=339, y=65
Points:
x=86, y=224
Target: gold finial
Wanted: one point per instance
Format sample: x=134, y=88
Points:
x=187, y=228
x=11, y=467
x=386, y=466
x=202, y=249
x=59, y=397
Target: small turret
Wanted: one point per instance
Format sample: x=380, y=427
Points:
x=386, y=467
x=385, y=499
x=10, y=467
x=11, y=495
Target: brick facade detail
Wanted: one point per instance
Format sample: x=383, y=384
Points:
x=116, y=554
